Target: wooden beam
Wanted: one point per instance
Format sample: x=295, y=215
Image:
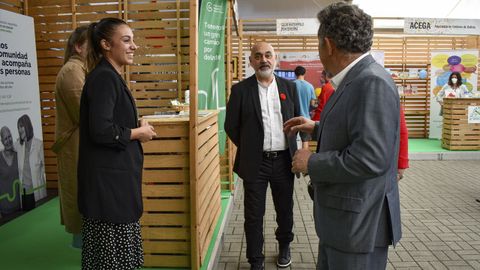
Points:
x=229, y=51
x=179, y=53
x=193, y=52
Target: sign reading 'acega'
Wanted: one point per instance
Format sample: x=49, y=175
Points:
x=435, y=26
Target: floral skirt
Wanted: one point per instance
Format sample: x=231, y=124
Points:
x=111, y=246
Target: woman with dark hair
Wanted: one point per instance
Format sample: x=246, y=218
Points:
x=68, y=88
x=110, y=153
x=9, y=183
x=453, y=89
x=30, y=164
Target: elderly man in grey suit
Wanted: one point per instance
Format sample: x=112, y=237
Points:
x=356, y=204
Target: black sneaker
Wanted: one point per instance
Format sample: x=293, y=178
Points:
x=284, y=258
x=257, y=266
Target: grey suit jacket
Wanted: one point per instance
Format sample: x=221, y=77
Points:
x=354, y=169
x=244, y=125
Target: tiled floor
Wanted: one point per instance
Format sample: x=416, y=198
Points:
x=441, y=222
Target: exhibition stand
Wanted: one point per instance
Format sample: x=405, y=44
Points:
x=175, y=209
x=461, y=124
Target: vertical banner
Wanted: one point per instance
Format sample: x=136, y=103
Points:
x=22, y=171
x=211, y=62
x=443, y=63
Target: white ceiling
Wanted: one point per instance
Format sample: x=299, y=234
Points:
x=268, y=9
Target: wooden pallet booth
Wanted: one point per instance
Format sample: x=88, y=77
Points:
x=169, y=216
x=181, y=184
x=461, y=124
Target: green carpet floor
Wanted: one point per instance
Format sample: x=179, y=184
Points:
x=425, y=146
x=37, y=241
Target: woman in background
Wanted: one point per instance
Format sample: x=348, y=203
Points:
x=9, y=183
x=327, y=91
x=110, y=154
x=453, y=89
x=68, y=88
x=31, y=167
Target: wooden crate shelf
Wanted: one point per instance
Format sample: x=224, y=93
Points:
x=457, y=133
x=167, y=222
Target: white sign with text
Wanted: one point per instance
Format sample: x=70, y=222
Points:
x=297, y=27
x=436, y=26
x=473, y=114
x=20, y=101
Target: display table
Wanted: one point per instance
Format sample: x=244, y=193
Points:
x=169, y=222
x=461, y=128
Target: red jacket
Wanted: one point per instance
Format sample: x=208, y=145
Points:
x=403, y=151
x=327, y=91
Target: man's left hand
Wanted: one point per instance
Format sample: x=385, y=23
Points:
x=300, y=161
x=400, y=174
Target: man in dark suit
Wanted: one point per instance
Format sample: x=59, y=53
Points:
x=356, y=205
x=257, y=108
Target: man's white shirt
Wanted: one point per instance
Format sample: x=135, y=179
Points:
x=274, y=138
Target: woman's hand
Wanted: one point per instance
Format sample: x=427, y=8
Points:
x=144, y=133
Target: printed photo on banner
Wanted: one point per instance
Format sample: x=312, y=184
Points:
x=473, y=114
x=22, y=162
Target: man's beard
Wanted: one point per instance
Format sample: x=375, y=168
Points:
x=265, y=74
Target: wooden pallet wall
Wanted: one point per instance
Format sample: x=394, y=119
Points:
x=179, y=219
x=166, y=203
x=208, y=183
x=166, y=222
x=161, y=62
x=16, y=6
x=401, y=54
x=458, y=133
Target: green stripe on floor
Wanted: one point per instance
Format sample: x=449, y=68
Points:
x=425, y=146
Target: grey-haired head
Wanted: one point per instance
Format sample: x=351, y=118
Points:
x=349, y=27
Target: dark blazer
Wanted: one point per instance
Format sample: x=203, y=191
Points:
x=244, y=125
x=109, y=164
x=354, y=172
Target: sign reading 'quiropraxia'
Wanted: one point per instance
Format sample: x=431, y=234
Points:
x=297, y=27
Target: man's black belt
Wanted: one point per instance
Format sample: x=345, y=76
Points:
x=273, y=154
